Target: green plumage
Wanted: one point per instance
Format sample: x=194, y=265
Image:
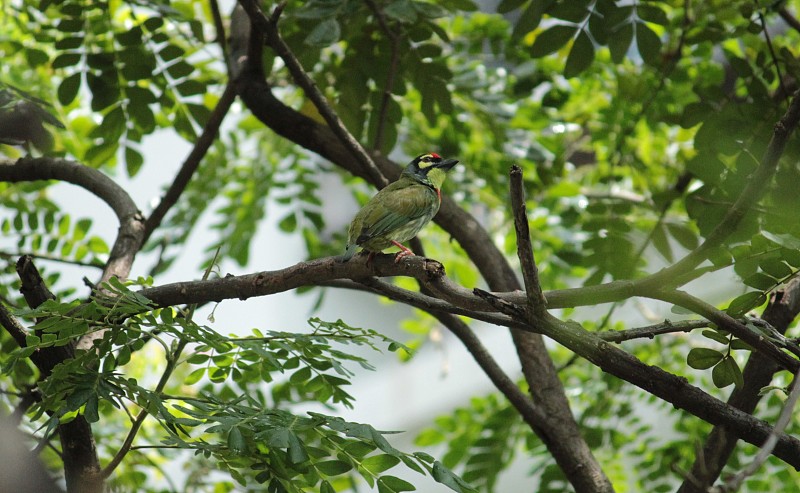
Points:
x=398, y=212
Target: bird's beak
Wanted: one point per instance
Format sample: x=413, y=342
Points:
x=446, y=164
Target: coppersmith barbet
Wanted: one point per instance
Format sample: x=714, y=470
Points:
x=398, y=212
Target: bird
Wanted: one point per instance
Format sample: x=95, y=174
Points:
x=400, y=210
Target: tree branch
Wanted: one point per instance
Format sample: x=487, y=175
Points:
x=81, y=465
x=533, y=288
x=192, y=162
x=734, y=483
x=650, y=331
x=430, y=273
x=748, y=197
x=782, y=309
x=391, y=74
x=270, y=29
x=129, y=238
x=730, y=324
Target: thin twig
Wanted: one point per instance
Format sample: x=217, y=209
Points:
x=728, y=323
x=173, y=358
x=735, y=482
x=530, y=274
x=269, y=26
x=391, y=75
x=219, y=26
x=650, y=331
x=52, y=258
x=771, y=49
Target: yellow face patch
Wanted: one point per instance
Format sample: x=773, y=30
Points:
x=429, y=160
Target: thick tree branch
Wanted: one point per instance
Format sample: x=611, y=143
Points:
x=129, y=238
x=81, y=465
x=430, y=273
x=269, y=27
x=17, y=331
x=192, y=162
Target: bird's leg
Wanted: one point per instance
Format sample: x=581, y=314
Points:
x=403, y=253
x=370, y=257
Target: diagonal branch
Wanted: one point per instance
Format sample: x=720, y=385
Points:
x=269, y=27
x=734, y=483
x=391, y=75
x=748, y=197
x=192, y=162
x=783, y=308
x=730, y=324
x=671, y=388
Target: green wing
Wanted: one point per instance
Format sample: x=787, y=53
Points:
x=391, y=209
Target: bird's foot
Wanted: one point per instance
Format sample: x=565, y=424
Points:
x=370, y=257
x=403, y=253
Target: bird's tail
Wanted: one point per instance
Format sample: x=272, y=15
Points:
x=348, y=253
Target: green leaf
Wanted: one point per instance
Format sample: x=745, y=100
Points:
x=649, y=44
x=325, y=33
x=661, y=242
x=333, y=467
x=297, y=453
x=379, y=463
x=171, y=52
x=392, y=484
x=301, y=375
x=785, y=240
x=506, y=6
x=90, y=409
x=68, y=89
x=684, y=235
x=236, y=441
x=651, y=13
x=401, y=10
x=66, y=60
x=288, y=223
x=775, y=268
x=620, y=41
x=446, y=477
x=552, y=40
x=195, y=376
x=744, y=303
x=580, y=56
x=133, y=161
x=716, y=336
x=701, y=358
x=760, y=281
x=727, y=372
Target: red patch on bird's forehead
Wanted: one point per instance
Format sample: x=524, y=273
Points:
x=435, y=156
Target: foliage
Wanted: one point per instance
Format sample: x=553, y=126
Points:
x=638, y=126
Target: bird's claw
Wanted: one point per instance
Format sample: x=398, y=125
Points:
x=402, y=254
